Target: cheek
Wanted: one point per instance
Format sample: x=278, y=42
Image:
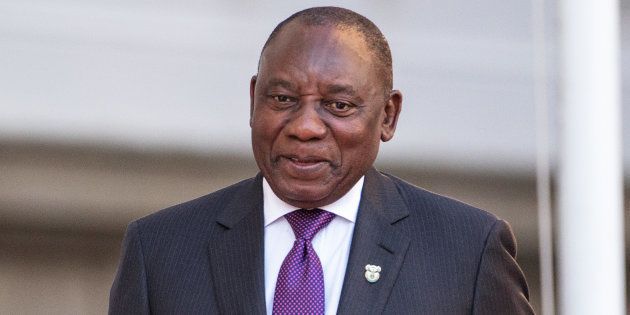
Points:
x=359, y=140
x=265, y=130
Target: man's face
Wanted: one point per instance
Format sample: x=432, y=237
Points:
x=319, y=112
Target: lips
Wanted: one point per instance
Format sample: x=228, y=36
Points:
x=305, y=160
x=303, y=167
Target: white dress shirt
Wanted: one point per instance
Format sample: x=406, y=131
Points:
x=332, y=243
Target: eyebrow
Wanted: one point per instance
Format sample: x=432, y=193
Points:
x=281, y=83
x=345, y=89
x=341, y=88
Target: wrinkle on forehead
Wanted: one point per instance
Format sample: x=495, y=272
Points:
x=311, y=53
x=337, y=41
x=317, y=45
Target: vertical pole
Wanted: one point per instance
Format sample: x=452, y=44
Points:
x=543, y=165
x=591, y=240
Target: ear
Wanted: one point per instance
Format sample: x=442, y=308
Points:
x=252, y=93
x=391, y=113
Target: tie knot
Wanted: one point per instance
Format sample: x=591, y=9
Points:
x=306, y=223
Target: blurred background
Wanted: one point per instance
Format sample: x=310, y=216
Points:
x=111, y=110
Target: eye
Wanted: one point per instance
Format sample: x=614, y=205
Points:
x=340, y=108
x=341, y=105
x=282, y=98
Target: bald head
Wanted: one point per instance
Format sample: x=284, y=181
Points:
x=345, y=19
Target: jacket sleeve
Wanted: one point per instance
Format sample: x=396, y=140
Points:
x=500, y=286
x=128, y=294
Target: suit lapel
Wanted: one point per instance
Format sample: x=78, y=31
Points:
x=237, y=252
x=376, y=241
x=237, y=249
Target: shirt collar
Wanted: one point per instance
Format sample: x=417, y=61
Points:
x=346, y=207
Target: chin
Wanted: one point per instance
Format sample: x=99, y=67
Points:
x=305, y=197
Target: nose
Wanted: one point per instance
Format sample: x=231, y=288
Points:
x=306, y=124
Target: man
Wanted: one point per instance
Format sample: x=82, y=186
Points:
x=319, y=230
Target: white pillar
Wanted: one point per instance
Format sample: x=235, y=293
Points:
x=543, y=163
x=591, y=238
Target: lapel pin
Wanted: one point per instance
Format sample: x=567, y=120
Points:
x=372, y=273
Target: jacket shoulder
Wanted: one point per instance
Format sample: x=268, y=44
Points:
x=470, y=251
x=418, y=198
x=190, y=216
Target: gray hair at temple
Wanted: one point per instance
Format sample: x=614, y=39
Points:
x=346, y=19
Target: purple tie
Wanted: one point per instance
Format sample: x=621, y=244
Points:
x=300, y=286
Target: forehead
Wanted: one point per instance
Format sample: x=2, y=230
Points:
x=336, y=49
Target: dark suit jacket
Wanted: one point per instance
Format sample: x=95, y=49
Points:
x=438, y=256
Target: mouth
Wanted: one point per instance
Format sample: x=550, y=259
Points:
x=305, y=160
x=304, y=167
